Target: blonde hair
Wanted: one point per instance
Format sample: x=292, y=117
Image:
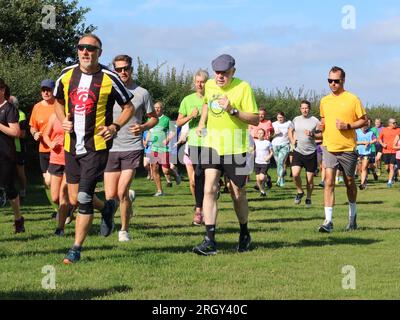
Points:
x=201, y=73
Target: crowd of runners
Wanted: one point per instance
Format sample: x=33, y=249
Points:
x=94, y=124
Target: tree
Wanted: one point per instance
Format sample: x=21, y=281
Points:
x=51, y=26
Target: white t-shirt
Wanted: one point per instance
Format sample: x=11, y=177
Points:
x=282, y=138
x=263, y=149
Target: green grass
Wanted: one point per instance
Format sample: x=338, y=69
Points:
x=289, y=260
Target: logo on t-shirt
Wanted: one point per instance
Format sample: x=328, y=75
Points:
x=214, y=105
x=83, y=101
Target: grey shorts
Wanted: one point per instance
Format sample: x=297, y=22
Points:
x=120, y=161
x=344, y=161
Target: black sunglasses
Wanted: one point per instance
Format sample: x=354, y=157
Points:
x=119, y=70
x=88, y=47
x=337, y=81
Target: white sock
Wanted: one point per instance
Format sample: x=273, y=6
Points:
x=352, y=210
x=328, y=213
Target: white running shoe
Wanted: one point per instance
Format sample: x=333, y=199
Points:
x=132, y=195
x=123, y=236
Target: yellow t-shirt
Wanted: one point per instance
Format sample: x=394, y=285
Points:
x=346, y=108
x=225, y=133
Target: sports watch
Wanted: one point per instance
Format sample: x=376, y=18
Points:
x=234, y=112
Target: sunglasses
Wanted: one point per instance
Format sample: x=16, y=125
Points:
x=337, y=81
x=126, y=68
x=88, y=47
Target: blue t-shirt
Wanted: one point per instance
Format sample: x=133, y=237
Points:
x=365, y=137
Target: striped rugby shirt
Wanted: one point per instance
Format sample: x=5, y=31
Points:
x=90, y=99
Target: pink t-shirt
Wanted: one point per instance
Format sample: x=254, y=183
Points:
x=57, y=134
x=266, y=125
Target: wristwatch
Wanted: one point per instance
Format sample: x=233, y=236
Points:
x=117, y=126
x=234, y=112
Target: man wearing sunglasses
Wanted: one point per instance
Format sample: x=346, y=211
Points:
x=127, y=150
x=386, y=140
x=341, y=113
x=85, y=96
x=229, y=108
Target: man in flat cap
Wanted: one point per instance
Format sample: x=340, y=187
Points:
x=229, y=107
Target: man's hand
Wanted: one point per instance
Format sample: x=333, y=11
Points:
x=67, y=124
x=136, y=129
x=37, y=136
x=195, y=113
x=107, y=132
x=341, y=125
x=225, y=103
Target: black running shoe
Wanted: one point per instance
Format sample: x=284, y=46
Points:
x=206, y=248
x=298, y=198
x=244, y=243
x=352, y=226
x=107, y=217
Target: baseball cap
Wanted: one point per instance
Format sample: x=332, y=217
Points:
x=223, y=63
x=48, y=83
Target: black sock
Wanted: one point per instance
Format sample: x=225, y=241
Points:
x=79, y=248
x=243, y=229
x=211, y=232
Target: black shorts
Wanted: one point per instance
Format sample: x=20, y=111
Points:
x=44, y=159
x=126, y=160
x=308, y=162
x=7, y=178
x=232, y=166
x=21, y=158
x=261, y=169
x=89, y=167
x=56, y=169
x=389, y=158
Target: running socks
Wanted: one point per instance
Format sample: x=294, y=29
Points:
x=210, y=229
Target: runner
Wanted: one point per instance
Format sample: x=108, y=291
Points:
x=89, y=90
x=365, y=140
x=127, y=150
x=9, y=129
x=341, y=113
x=264, y=153
x=229, y=108
x=302, y=135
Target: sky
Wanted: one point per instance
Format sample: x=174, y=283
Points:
x=276, y=44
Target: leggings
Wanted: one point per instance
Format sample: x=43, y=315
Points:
x=199, y=179
x=280, y=154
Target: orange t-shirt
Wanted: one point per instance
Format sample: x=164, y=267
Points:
x=387, y=136
x=57, y=134
x=41, y=113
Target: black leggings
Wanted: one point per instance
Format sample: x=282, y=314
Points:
x=7, y=177
x=199, y=178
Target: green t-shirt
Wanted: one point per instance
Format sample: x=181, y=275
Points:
x=225, y=133
x=376, y=134
x=188, y=104
x=159, y=133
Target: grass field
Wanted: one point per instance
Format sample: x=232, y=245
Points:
x=289, y=258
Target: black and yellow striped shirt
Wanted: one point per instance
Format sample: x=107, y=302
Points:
x=90, y=99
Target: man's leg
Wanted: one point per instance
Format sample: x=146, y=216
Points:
x=296, y=171
x=310, y=184
x=124, y=183
x=155, y=167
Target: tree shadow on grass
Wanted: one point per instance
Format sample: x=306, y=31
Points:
x=365, y=202
x=283, y=220
x=20, y=238
x=315, y=243
x=82, y=294
x=162, y=215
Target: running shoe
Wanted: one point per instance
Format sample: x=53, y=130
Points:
x=263, y=194
x=107, y=217
x=327, y=227
x=132, y=195
x=19, y=225
x=197, y=219
x=73, y=256
x=298, y=198
x=375, y=176
x=322, y=184
x=59, y=232
x=159, y=194
x=206, y=248
x=169, y=184
x=390, y=184
x=308, y=202
x=352, y=226
x=244, y=243
x=123, y=236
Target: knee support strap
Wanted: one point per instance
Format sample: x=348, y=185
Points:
x=85, y=201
